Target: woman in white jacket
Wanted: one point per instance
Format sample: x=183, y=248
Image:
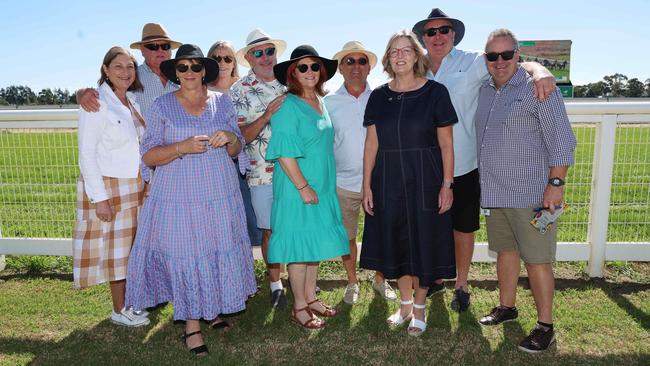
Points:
x=110, y=189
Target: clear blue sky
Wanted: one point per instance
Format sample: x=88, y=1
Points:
x=50, y=44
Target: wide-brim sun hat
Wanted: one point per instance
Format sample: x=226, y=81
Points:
x=152, y=32
x=355, y=47
x=436, y=13
x=300, y=52
x=190, y=52
x=256, y=38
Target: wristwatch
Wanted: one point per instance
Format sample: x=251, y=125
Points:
x=556, y=182
x=448, y=184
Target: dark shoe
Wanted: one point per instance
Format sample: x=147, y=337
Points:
x=460, y=301
x=499, y=315
x=199, y=351
x=436, y=288
x=219, y=324
x=278, y=299
x=539, y=340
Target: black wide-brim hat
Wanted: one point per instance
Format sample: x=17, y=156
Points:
x=280, y=70
x=190, y=52
x=436, y=13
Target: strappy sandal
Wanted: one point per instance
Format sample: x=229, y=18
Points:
x=329, y=311
x=219, y=324
x=417, y=326
x=199, y=351
x=396, y=319
x=312, y=323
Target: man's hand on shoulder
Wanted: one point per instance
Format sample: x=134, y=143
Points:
x=88, y=99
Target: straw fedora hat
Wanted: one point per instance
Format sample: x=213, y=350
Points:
x=280, y=70
x=154, y=32
x=355, y=47
x=258, y=37
x=190, y=52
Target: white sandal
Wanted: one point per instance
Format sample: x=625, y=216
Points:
x=396, y=319
x=417, y=326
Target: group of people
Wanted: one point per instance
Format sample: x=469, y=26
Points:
x=184, y=165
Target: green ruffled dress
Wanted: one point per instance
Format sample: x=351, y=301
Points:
x=301, y=232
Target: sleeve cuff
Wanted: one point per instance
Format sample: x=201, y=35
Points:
x=284, y=146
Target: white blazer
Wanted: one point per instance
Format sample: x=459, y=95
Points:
x=108, y=143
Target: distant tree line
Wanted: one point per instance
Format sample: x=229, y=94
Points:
x=617, y=85
x=18, y=95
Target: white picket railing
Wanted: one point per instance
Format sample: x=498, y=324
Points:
x=602, y=228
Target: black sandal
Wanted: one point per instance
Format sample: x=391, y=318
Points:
x=219, y=324
x=198, y=351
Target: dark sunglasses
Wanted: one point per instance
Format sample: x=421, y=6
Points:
x=505, y=55
x=184, y=67
x=304, y=67
x=228, y=59
x=351, y=61
x=442, y=30
x=156, y=46
x=269, y=52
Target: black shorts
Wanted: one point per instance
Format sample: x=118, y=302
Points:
x=465, y=210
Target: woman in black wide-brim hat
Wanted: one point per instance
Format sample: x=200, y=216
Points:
x=306, y=217
x=191, y=246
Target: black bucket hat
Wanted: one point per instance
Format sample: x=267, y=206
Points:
x=280, y=70
x=436, y=13
x=190, y=52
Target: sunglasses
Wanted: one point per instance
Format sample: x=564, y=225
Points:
x=227, y=59
x=505, y=55
x=156, y=46
x=351, y=61
x=184, y=67
x=442, y=30
x=304, y=67
x=268, y=51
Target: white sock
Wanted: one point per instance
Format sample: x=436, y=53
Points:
x=276, y=285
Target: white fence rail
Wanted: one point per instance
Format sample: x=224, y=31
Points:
x=608, y=188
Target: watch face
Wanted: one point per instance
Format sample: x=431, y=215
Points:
x=557, y=182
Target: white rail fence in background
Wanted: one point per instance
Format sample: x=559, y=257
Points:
x=608, y=188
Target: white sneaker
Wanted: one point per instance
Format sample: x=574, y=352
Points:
x=384, y=289
x=139, y=312
x=351, y=294
x=127, y=318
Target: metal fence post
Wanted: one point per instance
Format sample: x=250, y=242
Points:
x=600, y=193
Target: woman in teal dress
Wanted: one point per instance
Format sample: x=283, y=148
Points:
x=306, y=217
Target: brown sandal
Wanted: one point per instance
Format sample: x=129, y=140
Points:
x=329, y=311
x=312, y=324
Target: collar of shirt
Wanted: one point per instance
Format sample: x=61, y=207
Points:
x=344, y=91
x=252, y=79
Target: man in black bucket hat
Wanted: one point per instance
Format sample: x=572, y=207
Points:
x=463, y=72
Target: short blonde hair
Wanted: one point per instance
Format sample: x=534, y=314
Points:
x=227, y=45
x=421, y=65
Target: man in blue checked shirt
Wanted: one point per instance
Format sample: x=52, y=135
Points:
x=525, y=147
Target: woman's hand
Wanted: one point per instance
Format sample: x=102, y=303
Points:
x=104, y=211
x=222, y=138
x=308, y=196
x=445, y=199
x=368, y=204
x=193, y=145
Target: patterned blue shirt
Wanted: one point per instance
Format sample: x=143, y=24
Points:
x=519, y=138
x=153, y=87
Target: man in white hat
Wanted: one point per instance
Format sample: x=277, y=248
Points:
x=156, y=46
x=346, y=109
x=463, y=72
x=256, y=97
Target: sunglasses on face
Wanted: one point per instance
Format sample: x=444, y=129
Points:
x=268, y=51
x=304, y=67
x=505, y=55
x=405, y=51
x=227, y=59
x=351, y=61
x=442, y=30
x=184, y=67
x=156, y=46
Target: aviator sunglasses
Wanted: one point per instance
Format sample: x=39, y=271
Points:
x=351, y=61
x=304, y=67
x=156, y=46
x=442, y=30
x=268, y=51
x=505, y=55
x=184, y=67
x=227, y=59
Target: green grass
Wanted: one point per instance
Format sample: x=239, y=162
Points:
x=45, y=321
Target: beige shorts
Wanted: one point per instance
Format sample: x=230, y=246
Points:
x=350, y=205
x=510, y=229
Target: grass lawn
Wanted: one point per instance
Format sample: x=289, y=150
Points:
x=44, y=321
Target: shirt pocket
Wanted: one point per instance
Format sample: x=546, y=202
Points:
x=116, y=131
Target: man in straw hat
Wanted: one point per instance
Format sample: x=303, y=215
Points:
x=463, y=72
x=256, y=97
x=346, y=108
x=156, y=46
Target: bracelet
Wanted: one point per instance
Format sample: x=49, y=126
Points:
x=303, y=187
x=178, y=153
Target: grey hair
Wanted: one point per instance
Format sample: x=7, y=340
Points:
x=502, y=32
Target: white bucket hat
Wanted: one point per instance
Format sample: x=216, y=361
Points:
x=258, y=37
x=355, y=47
